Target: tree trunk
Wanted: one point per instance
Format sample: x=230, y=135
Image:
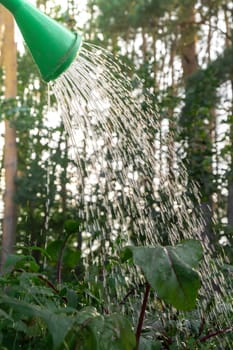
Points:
x=144, y=45
x=154, y=50
x=196, y=141
x=10, y=151
x=230, y=203
x=188, y=41
x=170, y=112
x=230, y=176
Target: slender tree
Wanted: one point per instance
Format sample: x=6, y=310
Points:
x=199, y=148
x=228, y=43
x=10, y=149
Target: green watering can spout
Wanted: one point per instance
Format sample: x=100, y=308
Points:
x=52, y=46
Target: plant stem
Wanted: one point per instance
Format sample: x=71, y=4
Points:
x=51, y=285
x=130, y=292
x=46, y=281
x=60, y=260
x=215, y=334
x=142, y=314
x=202, y=325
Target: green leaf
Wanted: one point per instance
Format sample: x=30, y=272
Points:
x=85, y=340
x=86, y=314
x=190, y=252
x=12, y=260
x=117, y=334
x=58, y=322
x=71, y=257
x=111, y=332
x=72, y=298
x=35, y=248
x=26, y=262
x=126, y=254
x=170, y=271
x=53, y=249
x=4, y=315
x=71, y=226
x=84, y=336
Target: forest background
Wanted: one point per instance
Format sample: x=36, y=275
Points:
x=182, y=52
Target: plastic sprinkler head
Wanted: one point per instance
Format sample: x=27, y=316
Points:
x=53, y=47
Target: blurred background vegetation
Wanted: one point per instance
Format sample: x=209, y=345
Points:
x=182, y=52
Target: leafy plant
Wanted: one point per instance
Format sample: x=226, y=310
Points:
x=170, y=271
x=38, y=314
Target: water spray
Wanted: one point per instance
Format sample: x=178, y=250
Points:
x=96, y=105
x=53, y=47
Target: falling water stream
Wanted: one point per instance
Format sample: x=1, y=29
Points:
x=132, y=186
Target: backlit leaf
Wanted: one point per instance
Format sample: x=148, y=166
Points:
x=170, y=271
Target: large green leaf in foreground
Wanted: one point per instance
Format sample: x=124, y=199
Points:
x=170, y=271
